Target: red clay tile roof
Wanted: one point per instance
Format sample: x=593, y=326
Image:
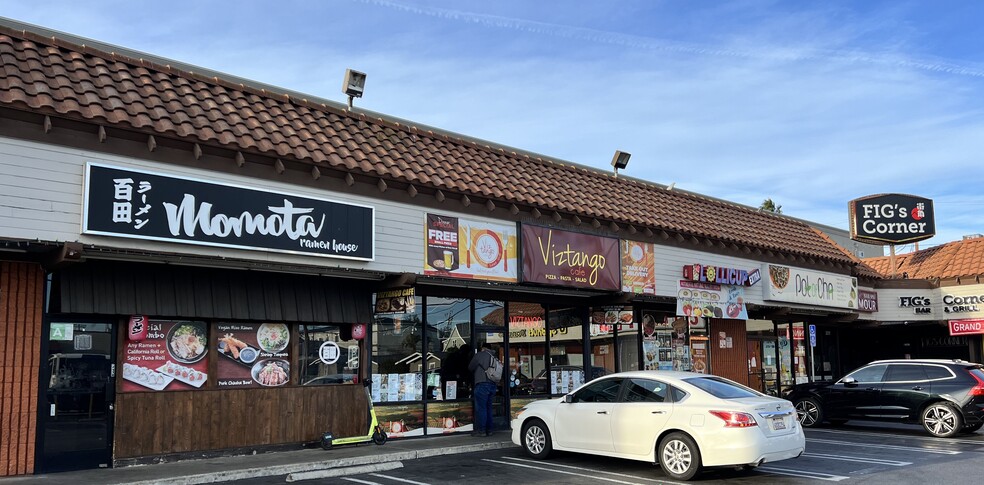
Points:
x=956, y=259
x=56, y=77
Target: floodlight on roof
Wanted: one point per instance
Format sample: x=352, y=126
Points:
x=354, y=85
x=620, y=160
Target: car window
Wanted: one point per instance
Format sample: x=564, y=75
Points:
x=721, y=388
x=601, y=391
x=872, y=373
x=937, y=372
x=678, y=395
x=645, y=390
x=905, y=373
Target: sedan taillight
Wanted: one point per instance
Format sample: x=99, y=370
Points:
x=733, y=419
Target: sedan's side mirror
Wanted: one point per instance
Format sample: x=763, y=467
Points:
x=568, y=398
x=849, y=381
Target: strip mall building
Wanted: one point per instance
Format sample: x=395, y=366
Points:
x=193, y=264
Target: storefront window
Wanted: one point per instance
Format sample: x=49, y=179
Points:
x=628, y=346
x=527, y=350
x=604, y=323
x=325, y=358
x=448, y=349
x=567, y=351
x=397, y=358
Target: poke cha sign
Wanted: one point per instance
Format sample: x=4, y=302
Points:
x=147, y=205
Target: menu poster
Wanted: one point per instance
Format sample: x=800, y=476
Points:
x=638, y=267
x=698, y=354
x=172, y=357
x=252, y=355
x=711, y=300
x=442, y=244
x=463, y=248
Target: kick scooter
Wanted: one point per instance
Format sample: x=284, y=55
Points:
x=375, y=433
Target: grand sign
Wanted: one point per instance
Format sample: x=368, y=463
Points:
x=796, y=285
x=966, y=327
x=564, y=258
x=892, y=218
x=146, y=205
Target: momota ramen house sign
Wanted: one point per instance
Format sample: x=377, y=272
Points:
x=892, y=218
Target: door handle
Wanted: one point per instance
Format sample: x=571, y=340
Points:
x=658, y=412
x=602, y=412
x=917, y=388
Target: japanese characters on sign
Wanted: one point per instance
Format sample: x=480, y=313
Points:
x=145, y=205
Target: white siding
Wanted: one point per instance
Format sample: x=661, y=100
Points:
x=42, y=199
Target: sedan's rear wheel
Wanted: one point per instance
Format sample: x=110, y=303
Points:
x=942, y=420
x=809, y=412
x=678, y=456
x=536, y=439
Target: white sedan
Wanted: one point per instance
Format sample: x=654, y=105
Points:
x=682, y=420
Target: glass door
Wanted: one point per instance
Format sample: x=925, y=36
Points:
x=76, y=418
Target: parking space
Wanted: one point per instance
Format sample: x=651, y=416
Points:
x=842, y=454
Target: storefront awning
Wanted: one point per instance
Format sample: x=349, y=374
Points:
x=125, y=288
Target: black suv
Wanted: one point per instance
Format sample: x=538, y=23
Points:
x=945, y=396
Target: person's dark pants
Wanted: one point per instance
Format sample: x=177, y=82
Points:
x=484, y=392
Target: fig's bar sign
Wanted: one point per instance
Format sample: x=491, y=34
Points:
x=892, y=218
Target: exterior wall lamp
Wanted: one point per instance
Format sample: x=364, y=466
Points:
x=353, y=85
x=620, y=160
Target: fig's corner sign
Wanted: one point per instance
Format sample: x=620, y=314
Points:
x=892, y=219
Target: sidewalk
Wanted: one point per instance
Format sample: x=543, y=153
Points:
x=229, y=468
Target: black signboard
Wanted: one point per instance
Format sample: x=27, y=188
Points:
x=892, y=218
x=146, y=205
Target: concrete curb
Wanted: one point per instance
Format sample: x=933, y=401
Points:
x=355, y=461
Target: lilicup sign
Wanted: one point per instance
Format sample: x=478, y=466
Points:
x=566, y=258
x=892, y=218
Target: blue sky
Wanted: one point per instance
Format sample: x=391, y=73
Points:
x=811, y=104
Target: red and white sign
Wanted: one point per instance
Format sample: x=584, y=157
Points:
x=966, y=327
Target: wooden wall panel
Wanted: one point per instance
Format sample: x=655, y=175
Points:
x=152, y=424
x=20, y=356
x=730, y=363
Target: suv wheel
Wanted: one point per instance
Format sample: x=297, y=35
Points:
x=809, y=412
x=941, y=419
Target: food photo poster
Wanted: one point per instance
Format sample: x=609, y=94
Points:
x=251, y=355
x=165, y=355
